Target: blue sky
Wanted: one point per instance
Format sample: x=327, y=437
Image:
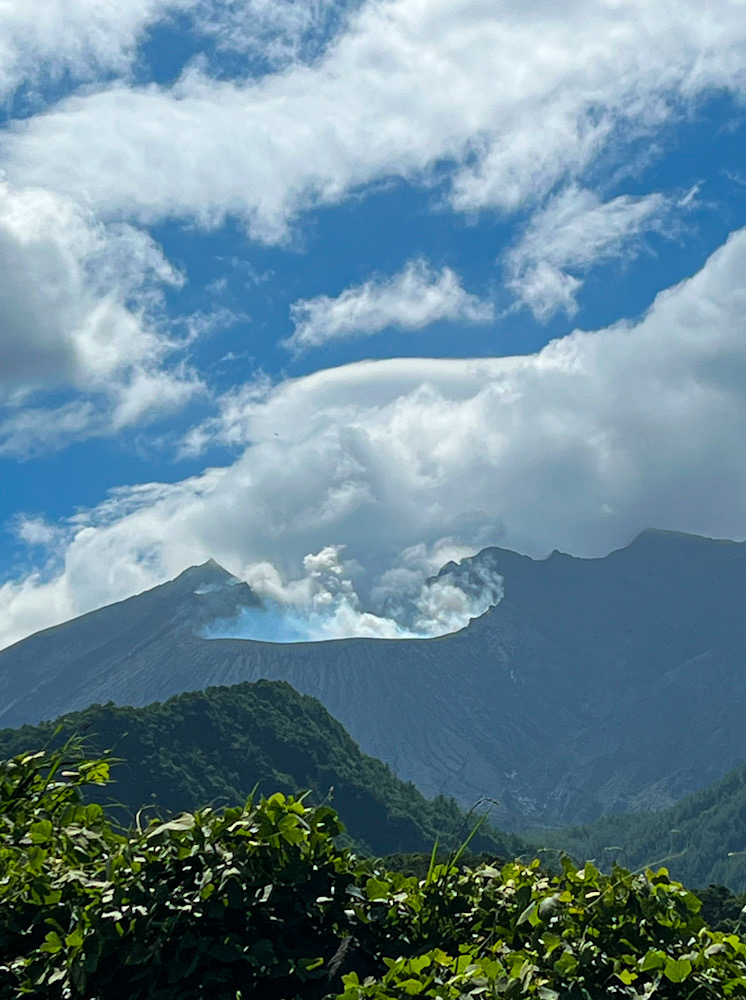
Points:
x=262, y=262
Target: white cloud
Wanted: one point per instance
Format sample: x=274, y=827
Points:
x=518, y=98
x=230, y=426
x=574, y=231
x=406, y=88
x=36, y=531
x=41, y=40
x=29, y=430
x=578, y=447
x=546, y=289
x=410, y=300
x=89, y=39
x=274, y=34
x=25, y=614
x=79, y=312
x=153, y=392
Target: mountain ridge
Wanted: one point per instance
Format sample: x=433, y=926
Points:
x=549, y=702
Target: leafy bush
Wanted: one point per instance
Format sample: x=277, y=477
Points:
x=259, y=902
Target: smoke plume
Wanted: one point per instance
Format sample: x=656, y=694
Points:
x=322, y=604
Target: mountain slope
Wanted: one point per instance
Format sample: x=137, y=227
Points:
x=701, y=840
x=595, y=686
x=216, y=746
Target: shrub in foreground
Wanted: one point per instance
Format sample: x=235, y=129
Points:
x=259, y=902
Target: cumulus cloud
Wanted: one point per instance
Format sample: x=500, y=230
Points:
x=79, y=311
x=36, y=531
x=578, y=447
x=410, y=300
x=512, y=99
x=574, y=231
x=546, y=289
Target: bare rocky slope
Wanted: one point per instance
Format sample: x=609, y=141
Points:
x=595, y=686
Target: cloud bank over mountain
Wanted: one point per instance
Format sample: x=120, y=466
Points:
x=188, y=188
x=577, y=447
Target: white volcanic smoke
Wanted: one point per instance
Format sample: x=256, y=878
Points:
x=323, y=604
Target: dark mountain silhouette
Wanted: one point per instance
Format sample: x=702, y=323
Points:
x=595, y=686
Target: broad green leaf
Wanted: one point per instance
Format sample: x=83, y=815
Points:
x=566, y=964
x=527, y=913
x=677, y=970
x=180, y=824
x=376, y=889
x=75, y=938
x=41, y=832
x=653, y=960
x=550, y=941
x=412, y=987
x=52, y=943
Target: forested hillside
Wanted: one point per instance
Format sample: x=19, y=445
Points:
x=218, y=745
x=701, y=839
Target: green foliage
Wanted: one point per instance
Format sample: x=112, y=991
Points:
x=519, y=932
x=702, y=839
x=722, y=909
x=218, y=745
x=200, y=906
x=260, y=902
